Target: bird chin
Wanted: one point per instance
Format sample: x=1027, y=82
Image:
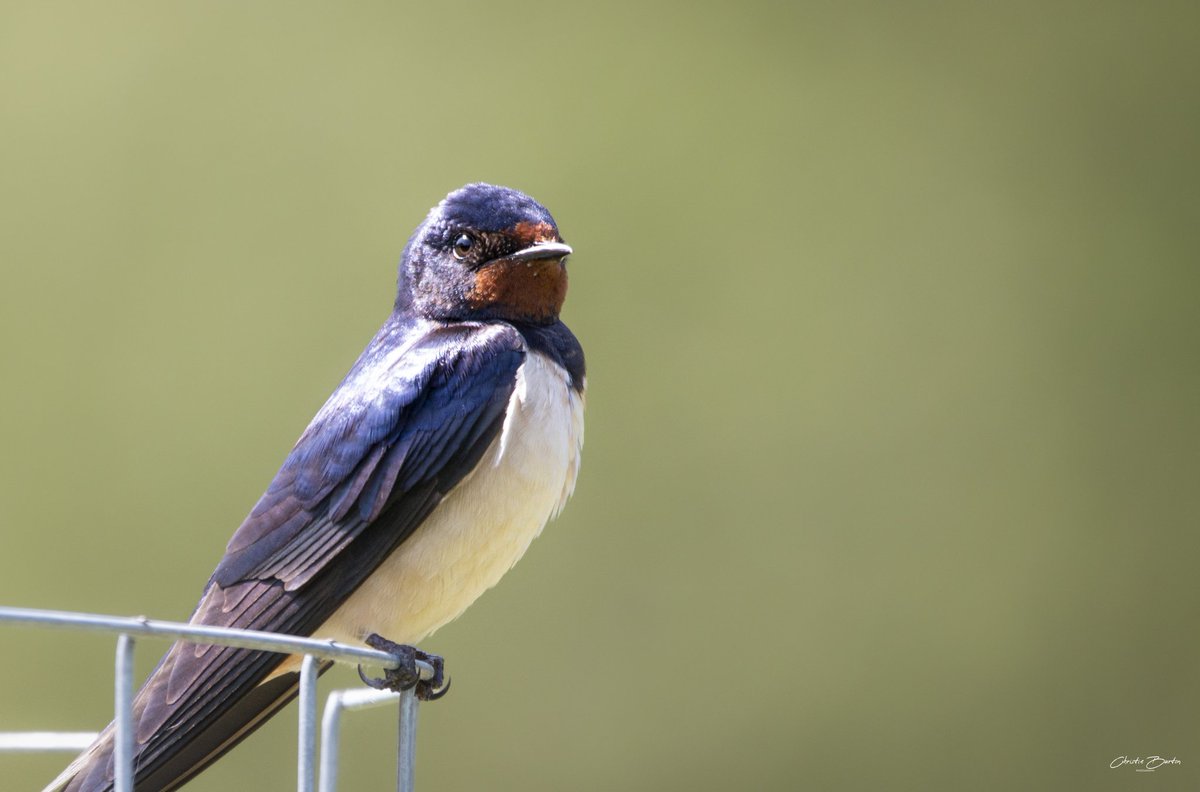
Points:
x=530, y=290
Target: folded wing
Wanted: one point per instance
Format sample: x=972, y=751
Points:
x=410, y=420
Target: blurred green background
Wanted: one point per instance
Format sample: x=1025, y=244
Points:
x=892, y=474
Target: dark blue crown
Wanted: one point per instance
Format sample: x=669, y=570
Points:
x=486, y=207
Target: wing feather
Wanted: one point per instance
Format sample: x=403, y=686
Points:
x=412, y=418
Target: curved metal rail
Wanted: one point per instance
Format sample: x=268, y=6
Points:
x=313, y=651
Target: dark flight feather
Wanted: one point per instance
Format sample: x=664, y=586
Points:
x=411, y=419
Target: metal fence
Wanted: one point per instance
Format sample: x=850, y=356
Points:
x=313, y=651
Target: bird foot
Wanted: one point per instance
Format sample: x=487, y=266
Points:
x=407, y=676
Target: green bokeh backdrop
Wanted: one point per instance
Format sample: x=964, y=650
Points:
x=892, y=475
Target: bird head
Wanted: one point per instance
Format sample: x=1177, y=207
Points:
x=485, y=252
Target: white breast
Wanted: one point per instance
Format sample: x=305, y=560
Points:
x=484, y=525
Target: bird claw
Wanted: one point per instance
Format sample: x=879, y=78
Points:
x=407, y=676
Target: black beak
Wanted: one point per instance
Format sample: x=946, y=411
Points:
x=543, y=250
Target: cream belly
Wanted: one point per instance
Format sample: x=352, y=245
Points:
x=484, y=525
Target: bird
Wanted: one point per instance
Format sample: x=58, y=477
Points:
x=451, y=442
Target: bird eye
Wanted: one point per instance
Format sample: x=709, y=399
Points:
x=463, y=245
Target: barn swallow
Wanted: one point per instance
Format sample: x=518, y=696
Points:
x=453, y=440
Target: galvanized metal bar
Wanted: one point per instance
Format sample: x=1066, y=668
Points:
x=306, y=763
x=331, y=732
x=312, y=649
x=123, y=704
x=407, y=751
x=28, y=742
x=331, y=726
x=194, y=633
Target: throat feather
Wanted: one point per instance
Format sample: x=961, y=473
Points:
x=531, y=291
